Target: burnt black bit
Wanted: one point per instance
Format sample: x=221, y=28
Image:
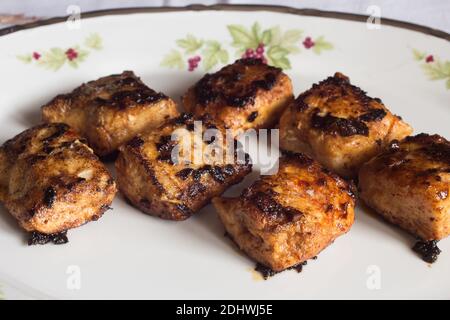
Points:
x=32, y=212
x=228, y=170
x=266, y=84
x=299, y=158
x=438, y=152
x=225, y=85
x=41, y=238
x=379, y=142
x=184, y=173
x=428, y=250
x=338, y=126
x=136, y=142
x=252, y=117
x=266, y=272
x=321, y=182
x=270, y=207
x=250, y=61
x=49, y=197
x=110, y=157
x=131, y=81
x=60, y=129
x=217, y=174
x=195, y=189
x=105, y=207
x=165, y=147
x=185, y=210
x=36, y=158
x=47, y=149
x=300, y=102
x=240, y=101
x=190, y=126
x=373, y=115
x=378, y=100
x=344, y=207
x=129, y=98
x=144, y=202
x=183, y=118
x=298, y=267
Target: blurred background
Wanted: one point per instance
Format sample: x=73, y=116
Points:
x=431, y=13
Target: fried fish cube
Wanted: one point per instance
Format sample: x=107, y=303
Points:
x=154, y=183
x=285, y=219
x=336, y=123
x=111, y=110
x=244, y=95
x=51, y=181
x=409, y=185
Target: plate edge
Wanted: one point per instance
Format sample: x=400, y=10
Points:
x=234, y=7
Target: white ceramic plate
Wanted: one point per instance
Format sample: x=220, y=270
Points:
x=127, y=254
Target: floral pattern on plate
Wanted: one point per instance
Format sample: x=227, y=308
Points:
x=55, y=58
x=273, y=45
x=433, y=67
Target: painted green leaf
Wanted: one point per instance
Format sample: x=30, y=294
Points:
x=212, y=54
x=256, y=31
x=282, y=63
x=292, y=49
x=94, y=41
x=418, y=55
x=277, y=52
x=436, y=70
x=321, y=45
x=277, y=57
x=275, y=33
x=241, y=37
x=190, y=44
x=223, y=56
x=291, y=37
x=53, y=59
x=174, y=59
x=446, y=67
x=25, y=58
x=266, y=37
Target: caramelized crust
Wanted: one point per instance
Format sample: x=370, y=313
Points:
x=51, y=181
x=111, y=110
x=287, y=218
x=246, y=94
x=336, y=123
x=409, y=185
x=156, y=185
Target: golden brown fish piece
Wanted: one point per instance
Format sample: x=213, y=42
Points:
x=287, y=218
x=152, y=182
x=409, y=185
x=111, y=110
x=51, y=181
x=243, y=95
x=336, y=123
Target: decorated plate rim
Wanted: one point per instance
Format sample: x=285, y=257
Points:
x=233, y=7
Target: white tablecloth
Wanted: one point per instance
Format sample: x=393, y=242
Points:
x=432, y=13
